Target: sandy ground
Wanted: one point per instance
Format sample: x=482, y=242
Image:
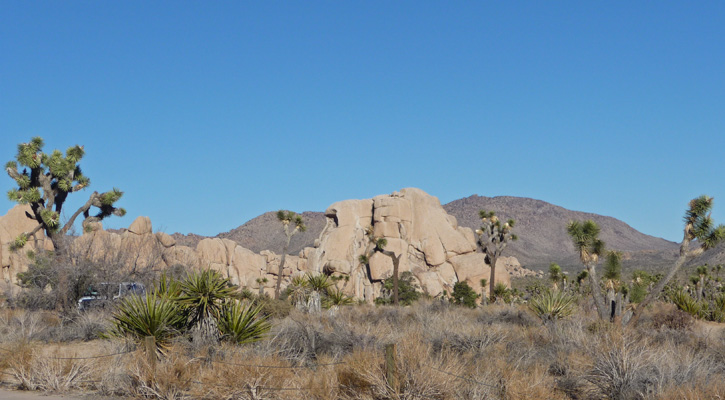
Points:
x=7, y=394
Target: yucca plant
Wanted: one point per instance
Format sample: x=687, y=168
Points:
x=336, y=297
x=686, y=303
x=167, y=287
x=298, y=290
x=501, y=291
x=551, y=305
x=241, y=322
x=148, y=315
x=319, y=284
x=202, y=296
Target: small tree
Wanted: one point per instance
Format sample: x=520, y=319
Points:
x=378, y=245
x=45, y=182
x=555, y=275
x=292, y=223
x=493, y=237
x=407, y=290
x=698, y=225
x=613, y=274
x=585, y=236
x=464, y=295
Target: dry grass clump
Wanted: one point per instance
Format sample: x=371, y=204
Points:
x=442, y=352
x=37, y=371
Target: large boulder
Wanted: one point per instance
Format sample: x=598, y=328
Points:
x=428, y=240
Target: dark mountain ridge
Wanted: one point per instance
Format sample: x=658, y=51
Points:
x=541, y=228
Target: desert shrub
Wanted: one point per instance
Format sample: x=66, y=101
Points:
x=47, y=373
x=464, y=295
x=507, y=314
x=407, y=290
x=501, y=291
x=619, y=369
x=274, y=309
x=673, y=318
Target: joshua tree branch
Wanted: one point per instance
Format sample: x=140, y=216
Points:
x=92, y=201
x=684, y=255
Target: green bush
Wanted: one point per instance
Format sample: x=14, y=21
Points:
x=407, y=290
x=464, y=295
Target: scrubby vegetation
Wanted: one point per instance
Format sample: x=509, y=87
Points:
x=442, y=351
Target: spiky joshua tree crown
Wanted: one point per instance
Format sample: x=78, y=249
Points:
x=44, y=181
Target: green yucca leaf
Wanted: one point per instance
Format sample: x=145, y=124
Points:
x=11, y=165
x=23, y=181
x=552, y=305
x=51, y=218
x=110, y=197
x=335, y=297
x=14, y=195
x=203, y=293
x=31, y=195
x=36, y=143
x=64, y=185
x=318, y=282
x=242, y=322
x=19, y=242
x=148, y=315
x=83, y=180
x=74, y=154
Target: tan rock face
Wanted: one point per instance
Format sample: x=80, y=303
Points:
x=141, y=226
x=12, y=224
x=434, y=248
x=417, y=229
x=165, y=239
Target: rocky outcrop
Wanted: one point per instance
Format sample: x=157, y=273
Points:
x=138, y=247
x=428, y=240
x=12, y=224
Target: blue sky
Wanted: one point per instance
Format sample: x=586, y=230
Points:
x=208, y=114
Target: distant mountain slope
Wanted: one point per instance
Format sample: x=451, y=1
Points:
x=265, y=233
x=541, y=228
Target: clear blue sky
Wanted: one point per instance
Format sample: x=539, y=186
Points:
x=208, y=114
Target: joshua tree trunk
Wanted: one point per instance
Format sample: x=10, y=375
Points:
x=281, y=264
x=492, y=283
x=396, y=265
x=597, y=292
x=684, y=248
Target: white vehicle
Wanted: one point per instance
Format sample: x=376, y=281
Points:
x=106, y=293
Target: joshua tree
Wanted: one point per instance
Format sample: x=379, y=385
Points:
x=698, y=225
x=493, y=237
x=700, y=280
x=555, y=275
x=613, y=274
x=378, y=245
x=45, y=182
x=585, y=236
x=287, y=218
